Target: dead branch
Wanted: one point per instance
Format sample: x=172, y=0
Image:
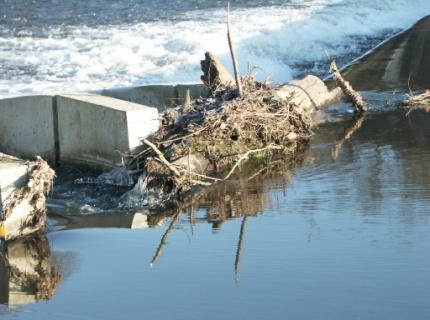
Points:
x=357, y=102
x=171, y=167
x=421, y=100
x=162, y=158
x=233, y=55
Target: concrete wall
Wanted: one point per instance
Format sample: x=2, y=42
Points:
x=81, y=129
x=157, y=96
x=26, y=127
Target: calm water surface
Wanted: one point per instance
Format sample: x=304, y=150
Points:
x=336, y=238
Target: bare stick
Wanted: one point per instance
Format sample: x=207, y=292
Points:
x=233, y=55
x=170, y=166
x=162, y=158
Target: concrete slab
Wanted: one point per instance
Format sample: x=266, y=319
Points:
x=27, y=127
x=93, y=129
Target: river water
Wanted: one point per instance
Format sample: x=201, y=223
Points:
x=342, y=233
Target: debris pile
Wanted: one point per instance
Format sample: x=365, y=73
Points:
x=199, y=143
x=25, y=211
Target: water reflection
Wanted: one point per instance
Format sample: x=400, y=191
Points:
x=26, y=272
x=241, y=197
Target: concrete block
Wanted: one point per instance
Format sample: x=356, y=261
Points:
x=93, y=129
x=27, y=127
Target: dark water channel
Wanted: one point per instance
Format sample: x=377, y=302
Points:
x=345, y=235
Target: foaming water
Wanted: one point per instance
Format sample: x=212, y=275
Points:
x=52, y=46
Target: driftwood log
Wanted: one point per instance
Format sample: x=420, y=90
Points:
x=310, y=94
x=354, y=97
x=215, y=75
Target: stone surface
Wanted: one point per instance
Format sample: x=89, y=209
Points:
x=157, y=96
